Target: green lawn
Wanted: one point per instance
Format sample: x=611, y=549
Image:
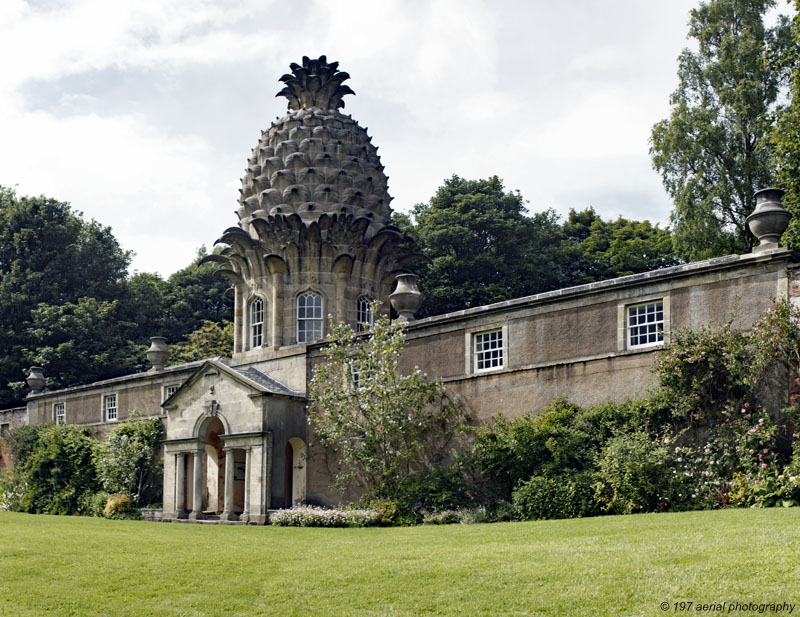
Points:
x=629, y=565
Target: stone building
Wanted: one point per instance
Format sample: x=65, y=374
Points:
x=314, y=238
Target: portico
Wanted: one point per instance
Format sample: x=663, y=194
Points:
x=221, y=461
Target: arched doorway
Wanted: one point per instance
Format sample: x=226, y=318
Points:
x=295, y=472
x=214, y=468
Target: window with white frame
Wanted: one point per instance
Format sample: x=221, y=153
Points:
x=170, y=390
x=488, y=350
x=645, y=324
x=309, y=317
x=110, y=408
x=256, y=323
x=364, y=317
x=355, y=375
x=59, y=413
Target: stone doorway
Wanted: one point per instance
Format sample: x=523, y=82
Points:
x=214, y=469
x=295, y=472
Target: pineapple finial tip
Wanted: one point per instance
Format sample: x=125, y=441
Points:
x=317, y=83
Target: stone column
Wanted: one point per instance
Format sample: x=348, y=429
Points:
x=180, y=484
x=227, y=512
x=245, y=517
x=197, y=489
x=240, y=329
x=340, y=300
x=278, y=294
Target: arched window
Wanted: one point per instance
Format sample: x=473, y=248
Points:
x=256, y=323
x=364, y=317
x=309, y=317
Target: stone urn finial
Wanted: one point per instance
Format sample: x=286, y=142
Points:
x=36, y=379
x=769, y=219
x=406, y=298
x=158, y=354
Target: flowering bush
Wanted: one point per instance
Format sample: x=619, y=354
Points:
x=701, y=371
x=382, y=426
x=776, y=336
x=772, y=490
x=739, y=454
x=10, y=491
x=128, y=462
x=311, y=516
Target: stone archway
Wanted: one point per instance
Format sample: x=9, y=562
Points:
x=219, y=456
x=205, y=480
x=295, y=472
x=213, y=468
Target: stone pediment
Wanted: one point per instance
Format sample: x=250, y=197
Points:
x=250, y=378
x=245, y=400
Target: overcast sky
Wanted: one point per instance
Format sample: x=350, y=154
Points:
x=142, y=113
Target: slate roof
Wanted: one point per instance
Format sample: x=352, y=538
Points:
x=267, y=382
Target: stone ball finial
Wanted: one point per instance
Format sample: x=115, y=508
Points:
x=158, y=353
x=769, y=219
x=406, y=298
x=35, y=379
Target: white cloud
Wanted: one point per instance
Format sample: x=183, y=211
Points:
x=148, y=188
x=603, y=123
x=137, y=111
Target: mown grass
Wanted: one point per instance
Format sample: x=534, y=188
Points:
x=59, y=566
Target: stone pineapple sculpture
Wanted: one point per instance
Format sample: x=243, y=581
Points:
x=315, y=160
x=313, y=212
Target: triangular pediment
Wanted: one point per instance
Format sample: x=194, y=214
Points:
x=250, y=378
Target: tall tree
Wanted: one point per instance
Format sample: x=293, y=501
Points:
x=483, y=247
x=607, y=249
x=81, y=342
x=786, y=140
x=180, y=305
x=209, y=340
x=712, y=151
x=49, y=256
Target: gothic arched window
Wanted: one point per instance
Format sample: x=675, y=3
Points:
x=364, y=314
x=309, y=317
x=256, y=323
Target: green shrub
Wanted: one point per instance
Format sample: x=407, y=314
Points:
x=551, y=497
x=387, y=510
x=117, y=505
x=471, y=516
x=22, y=441
x=562, y=439
x=129, y=462
x=510, y=451
x=441, y=517
x=439, y=488
x=635, y=474
x=92, y=504
x=56, y=470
